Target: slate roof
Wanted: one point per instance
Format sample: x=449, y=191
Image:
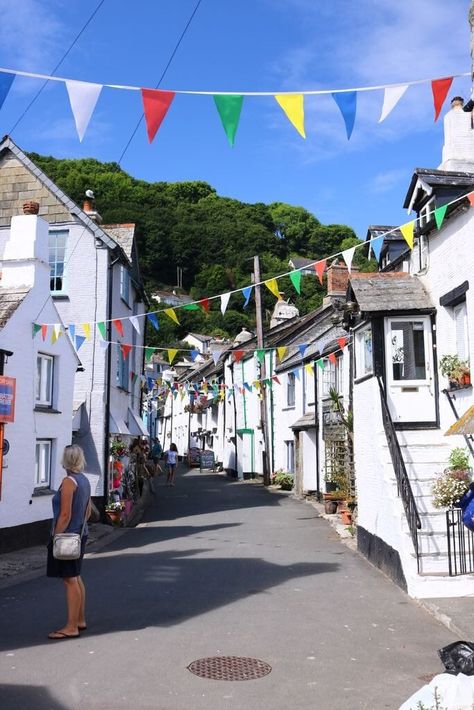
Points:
x=202, y=338
x=307, y=421
x=123, y=234
x=299, y=262
x=10, y=299
x=439, y=178
x=385, y=292
x=376, y=230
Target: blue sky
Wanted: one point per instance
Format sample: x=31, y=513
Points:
x=250, y=45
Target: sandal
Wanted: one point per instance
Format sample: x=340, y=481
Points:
x=61, y=636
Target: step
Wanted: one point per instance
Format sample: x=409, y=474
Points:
x=430, y=521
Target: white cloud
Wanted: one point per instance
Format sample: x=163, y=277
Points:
x=30, y=35
x=386, y=181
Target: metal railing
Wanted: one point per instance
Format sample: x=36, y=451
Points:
x=460, y=544
x=403, y=482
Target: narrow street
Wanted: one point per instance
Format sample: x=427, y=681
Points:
x=220, y=568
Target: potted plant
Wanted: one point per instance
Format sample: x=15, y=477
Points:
x=114, y=510
x=118, y=449
x=284, y=479
x=454, y=481
x=456, y=370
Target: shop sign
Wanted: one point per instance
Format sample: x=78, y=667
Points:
x=7, y=399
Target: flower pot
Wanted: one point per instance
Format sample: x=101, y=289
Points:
x=466, y=379
x=346, y=517
x=331, y=486
x=330, y=507
x=115, y=516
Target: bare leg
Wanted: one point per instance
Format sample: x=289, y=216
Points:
x=82, y=611
x=73, y=601
x=172, y=470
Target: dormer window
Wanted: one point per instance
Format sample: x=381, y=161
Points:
x=426, y=213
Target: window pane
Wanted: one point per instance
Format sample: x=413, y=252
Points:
x=408, y=350
x=43, y=463
x=57, y=253
x=460, y=316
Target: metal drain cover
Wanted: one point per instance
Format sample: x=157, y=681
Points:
x=229, y=668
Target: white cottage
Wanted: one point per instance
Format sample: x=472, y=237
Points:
x=403, y=322
x=94, y=279
x=44, y=375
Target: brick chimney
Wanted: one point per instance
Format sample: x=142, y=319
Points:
x=25, y=259
x=89, y=207
x=458, y=148
x=337, y=280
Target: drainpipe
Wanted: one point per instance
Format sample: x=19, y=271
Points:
x=110, y=275
x=235, y=418
x=316, y=428
x=272, y=417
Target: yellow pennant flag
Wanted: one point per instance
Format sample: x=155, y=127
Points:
x=182, y=394
x=55, y=333
x=87, y=330
x=172, y=352
x=408, y=231
x=309, y=368
x=272, y=286
x=171, y=314
x=293, y=106
x=281, y=352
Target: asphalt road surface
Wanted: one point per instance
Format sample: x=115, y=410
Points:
x=220, y=568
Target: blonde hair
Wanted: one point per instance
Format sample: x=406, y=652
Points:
x=73, y=458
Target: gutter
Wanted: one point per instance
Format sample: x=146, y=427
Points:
x=110, y=274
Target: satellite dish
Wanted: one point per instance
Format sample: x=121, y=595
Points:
x=90, y=193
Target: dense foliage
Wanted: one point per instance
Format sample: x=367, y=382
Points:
x=212, y=238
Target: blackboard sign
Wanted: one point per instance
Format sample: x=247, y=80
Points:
x=207, y=459
x=193, y=456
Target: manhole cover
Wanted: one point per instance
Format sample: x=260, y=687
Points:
x=229, y=668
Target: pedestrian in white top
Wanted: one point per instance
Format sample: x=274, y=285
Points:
x=171, y=461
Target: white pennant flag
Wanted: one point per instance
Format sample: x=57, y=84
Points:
x=216, y=355
x=391, y=97
x=224, y=302
x=103, y=344
x=83, y=97
x=348, y=255
x=135, y=322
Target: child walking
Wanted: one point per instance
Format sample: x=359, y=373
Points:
x=171, y=461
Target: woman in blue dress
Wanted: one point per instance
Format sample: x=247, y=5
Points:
x=71, y=504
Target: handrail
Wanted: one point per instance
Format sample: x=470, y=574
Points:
x=467, y=439
x=403, y=482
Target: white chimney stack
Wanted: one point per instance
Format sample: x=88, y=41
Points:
x=458, y=149
x=26, y=259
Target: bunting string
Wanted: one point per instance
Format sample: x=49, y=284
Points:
x=320, y=266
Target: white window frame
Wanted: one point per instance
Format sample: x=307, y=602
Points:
x=290, y=455
x=57, y=265
x=123, y=371
x=332, y=376
x=124, y=284
x=362, y=367
x=44, y=390
x=43, y=460
x=290, y=389
x=461, y=324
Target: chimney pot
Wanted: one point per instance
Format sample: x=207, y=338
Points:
x=31, y=207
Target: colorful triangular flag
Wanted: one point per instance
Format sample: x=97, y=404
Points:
x=347, y=103
x=229, y=108
x=295, y=278
x=342, y=342
x=224, y=302
x=135, y=322
x=216, y=355
x=275, y=379
x=440, y=88
x=272, y=285
x=309, y=367
x=80, y=340
x=44, y=331
x=148, y=354
x=102, y=329
x=171, y=314
x=281, y=352
x=155, y=106
x=348, y=255
x=238, y=355
x=439, y=215
x=125, y=348
x=36, y=328
x=246, y=293
x=204, y=303
x=55, y=333
x=83, y=98
x=172, y=352
x=320, y=268
x=332, y=358
x=71, y=329
x=407, y=231
x=6, y=81
x=190, y=307
x=293, y=106
x=391, y=97
x=87, y=330
x=302, y=349
x=153, y=318
x=119, y=326
x=193, y=354
x=321, y=364
x=470, y=197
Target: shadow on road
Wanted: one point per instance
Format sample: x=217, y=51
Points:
x=28, y=696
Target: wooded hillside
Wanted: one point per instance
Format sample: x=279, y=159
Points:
x=212, y=238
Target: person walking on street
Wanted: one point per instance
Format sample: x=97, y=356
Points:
x=156, y=452
x=71, y=505
x=171, y=461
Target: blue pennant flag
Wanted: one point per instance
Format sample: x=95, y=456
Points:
x=6, y=81
x=72, y=331
x=246, y=293
x=193, y=354
x=302, y=349
x=376, y=246
x=297, y=372
x=347, y=102
x=247, y=386
x=79, y=341
x=153, y=320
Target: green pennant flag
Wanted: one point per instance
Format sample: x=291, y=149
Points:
x=320, y=364
x=191, y=307
x=135, y=377
x=102, y=330
x=439, y=215
x=260, y=355
x=148, y=353
x=229, y=108
x=295, y=277
x=269, y=383
x=36, y=329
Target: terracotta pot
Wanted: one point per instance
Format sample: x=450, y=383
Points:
x=466, y=379
x=330, y=507
x=115, y=516
x=346, y=517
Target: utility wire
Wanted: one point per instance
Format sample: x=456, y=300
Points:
x=76, y=38
x=161, y=77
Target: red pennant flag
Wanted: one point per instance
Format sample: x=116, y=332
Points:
x=119, y=325
x=44, y=330
x=275, y=379
x=238, y=355
x=125, y=350
x=440, y=88
x=470, y=197
x=204, y=303
x=155, y=105
x=342, y=342
x=332, y=358
x=320, y=268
